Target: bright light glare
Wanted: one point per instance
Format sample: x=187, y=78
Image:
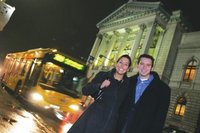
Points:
x=66, y=127
x=59, y=115
x=25, y=124
x=61, y=71
x=74, y=107
x=37, y=97
x=46, y=107
x=54, y=50
x=54, y=106
x=75, y=78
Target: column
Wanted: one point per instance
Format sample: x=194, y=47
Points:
x=137, y=41
x=158, y=44
x=95, y=47
x=100, y=48
x=149, y=37
x=96, y=44
x=122, y=44
x=109, y=49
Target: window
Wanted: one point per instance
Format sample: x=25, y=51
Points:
x=190, y=70
x=180, y=106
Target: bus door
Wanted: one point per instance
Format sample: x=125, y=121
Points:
x=33, y=68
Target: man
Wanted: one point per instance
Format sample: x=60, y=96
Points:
x=147, y=107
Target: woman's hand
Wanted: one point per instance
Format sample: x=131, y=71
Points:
x=105, y=83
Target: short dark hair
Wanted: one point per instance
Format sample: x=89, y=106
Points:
x=125, y=56
x=146, y=56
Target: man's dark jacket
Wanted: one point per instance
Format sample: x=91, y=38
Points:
x=149, y=113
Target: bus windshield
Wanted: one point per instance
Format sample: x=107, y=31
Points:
x=64, y=80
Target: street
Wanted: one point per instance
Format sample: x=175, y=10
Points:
x=20, y=117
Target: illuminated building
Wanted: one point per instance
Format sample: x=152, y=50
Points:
x=148, y=27
x=6, y=12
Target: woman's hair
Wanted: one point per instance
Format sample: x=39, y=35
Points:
x=126, y=56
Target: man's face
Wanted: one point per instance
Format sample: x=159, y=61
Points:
x=144, y=67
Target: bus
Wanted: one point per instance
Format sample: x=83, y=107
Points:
x=46, y=78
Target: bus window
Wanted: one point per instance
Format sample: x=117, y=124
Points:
x=63, y=80
x=51, y=74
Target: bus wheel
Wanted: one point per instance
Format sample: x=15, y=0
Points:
x=17, y=89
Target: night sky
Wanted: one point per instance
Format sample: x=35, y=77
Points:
x=68, y=25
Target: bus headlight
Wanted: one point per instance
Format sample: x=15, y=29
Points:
x=74, y=107
x=37, y=97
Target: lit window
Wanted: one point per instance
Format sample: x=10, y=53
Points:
x=190, y=70
x=180, y=106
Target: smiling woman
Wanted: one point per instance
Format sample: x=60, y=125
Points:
x=109, y=90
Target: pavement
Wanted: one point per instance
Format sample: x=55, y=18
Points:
x=11, y=110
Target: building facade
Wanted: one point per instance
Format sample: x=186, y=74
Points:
x=148, y=27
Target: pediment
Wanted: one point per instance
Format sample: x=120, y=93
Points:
x=130, y=10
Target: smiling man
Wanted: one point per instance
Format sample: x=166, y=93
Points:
x=148, y=102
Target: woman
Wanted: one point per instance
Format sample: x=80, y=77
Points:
x=109, y=90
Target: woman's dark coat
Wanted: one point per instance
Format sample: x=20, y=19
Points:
x=102, y=115
x=149, y=113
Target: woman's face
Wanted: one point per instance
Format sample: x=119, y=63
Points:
x=122, y=66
